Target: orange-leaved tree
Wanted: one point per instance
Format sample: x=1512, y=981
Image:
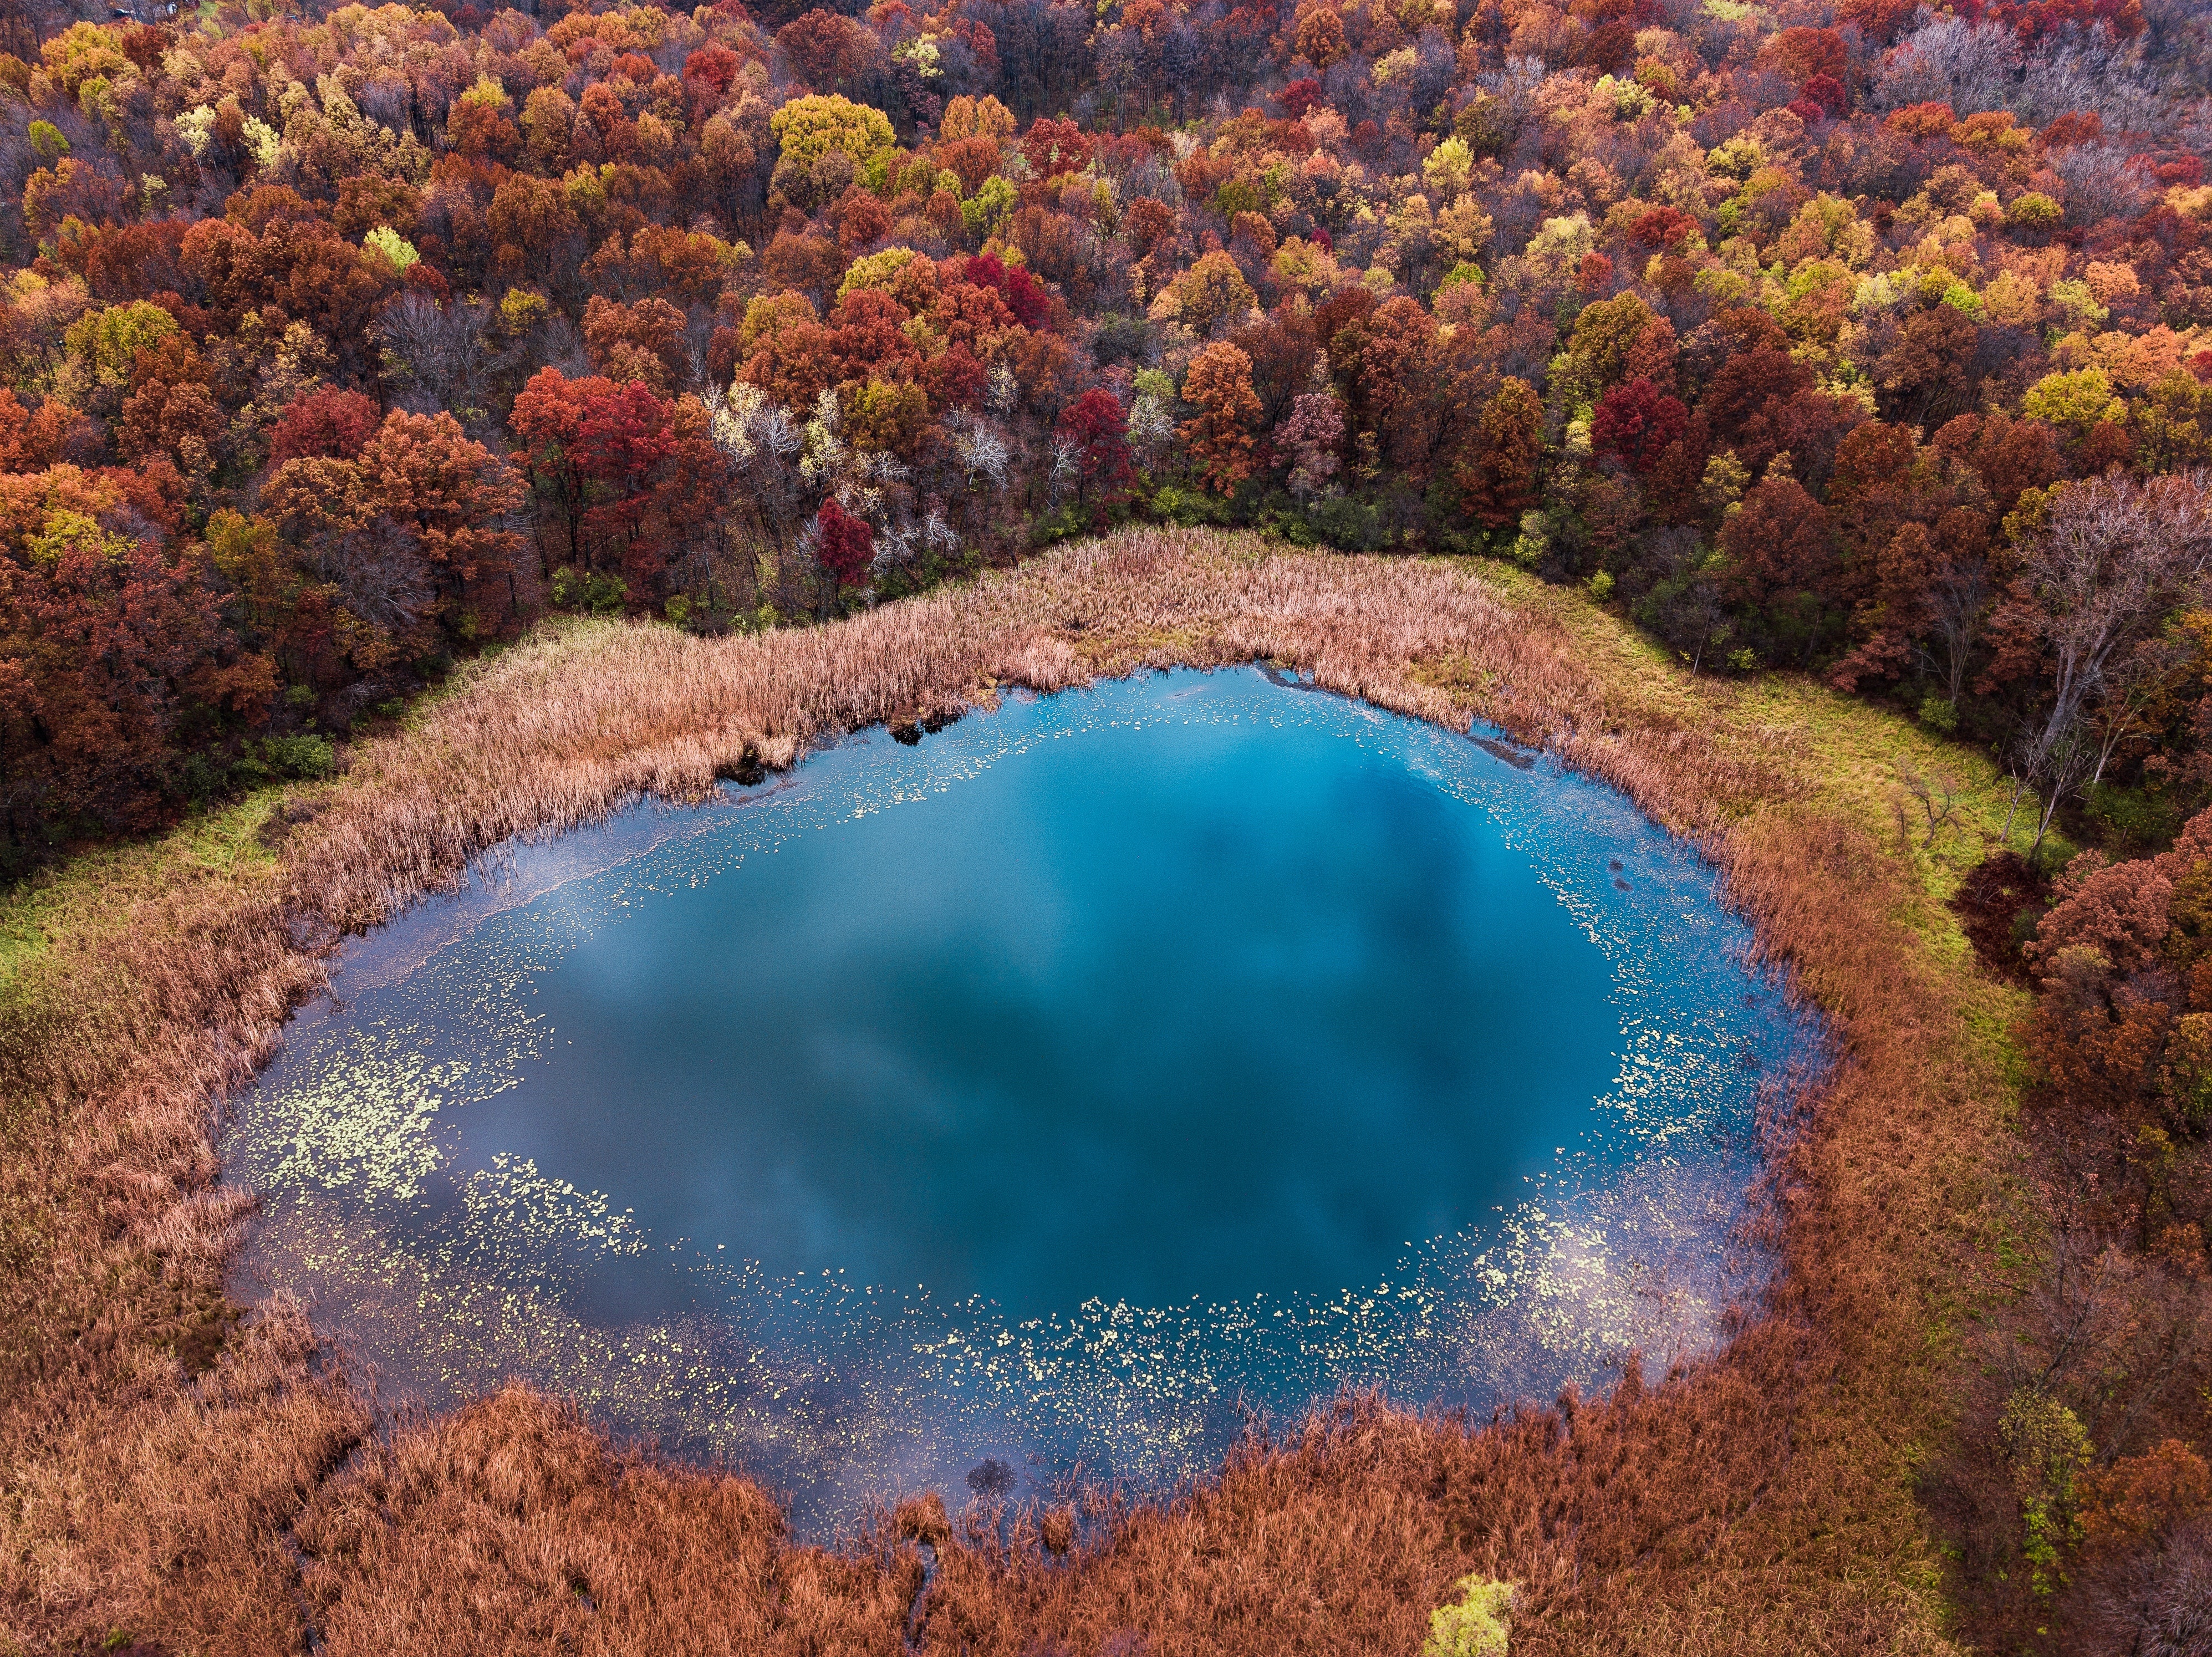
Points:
x=1498, y=472
x=1220, y=437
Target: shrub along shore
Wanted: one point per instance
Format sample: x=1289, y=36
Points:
x=196, y=1476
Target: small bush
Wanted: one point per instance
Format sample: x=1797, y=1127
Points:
x=589, y=592
x=281, y=759
x=1069, y=521
x=1347, y=524
x=1938, y=715
x=199, y=778
x=1478, y=1626
x=304, y=758
x=1191, y=508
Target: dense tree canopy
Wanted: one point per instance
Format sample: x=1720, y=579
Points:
x=1861, y=337
x=377, y=330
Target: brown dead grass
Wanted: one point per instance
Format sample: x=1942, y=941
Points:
x=1760, y=1504
x=512, y=1518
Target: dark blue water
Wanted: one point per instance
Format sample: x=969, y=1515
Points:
x=1093, y=1024
x=1059, y=1089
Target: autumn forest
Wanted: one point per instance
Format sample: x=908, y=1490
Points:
x=1865, y=345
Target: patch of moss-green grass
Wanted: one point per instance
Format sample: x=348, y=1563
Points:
x=84, y=898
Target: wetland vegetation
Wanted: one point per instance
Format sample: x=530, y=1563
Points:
x=1766, y=1494
x=1062, y=1089
x=428, y=432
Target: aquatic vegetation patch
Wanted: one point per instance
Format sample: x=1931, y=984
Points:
x=1059, y=1088
x=1772, y=1505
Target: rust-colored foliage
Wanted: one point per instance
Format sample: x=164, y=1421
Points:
x=1219, y=384
x=1873, y=344
x=328, y=423
x=1721, y=1510
x=1500, y=475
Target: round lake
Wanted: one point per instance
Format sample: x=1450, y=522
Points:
x=1059, y=1089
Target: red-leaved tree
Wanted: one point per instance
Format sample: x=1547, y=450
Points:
x=1024, y=294
x=328, y=422
x=844, y=544
x=1096, y=424
x=1635, y=421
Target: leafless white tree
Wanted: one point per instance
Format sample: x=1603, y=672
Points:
x=1947, y=59
x=981, y=451
x=2115, y=558
x=1066, y=469
x=2100, y=183
x=937, y=536
x=2094, y=74
x=1151, y=426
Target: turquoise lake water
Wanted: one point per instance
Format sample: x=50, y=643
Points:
x=1066, y=1090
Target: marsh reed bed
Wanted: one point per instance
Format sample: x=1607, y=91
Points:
x=175, y=1475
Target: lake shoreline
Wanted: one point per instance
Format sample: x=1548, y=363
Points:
x=216, y=1475
x=1266, y=1011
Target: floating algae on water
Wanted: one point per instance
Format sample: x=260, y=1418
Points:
x=1064, y=1089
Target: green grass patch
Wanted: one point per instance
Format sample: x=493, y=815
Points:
x=79, y=898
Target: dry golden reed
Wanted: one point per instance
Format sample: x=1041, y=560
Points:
x=169, y=1476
